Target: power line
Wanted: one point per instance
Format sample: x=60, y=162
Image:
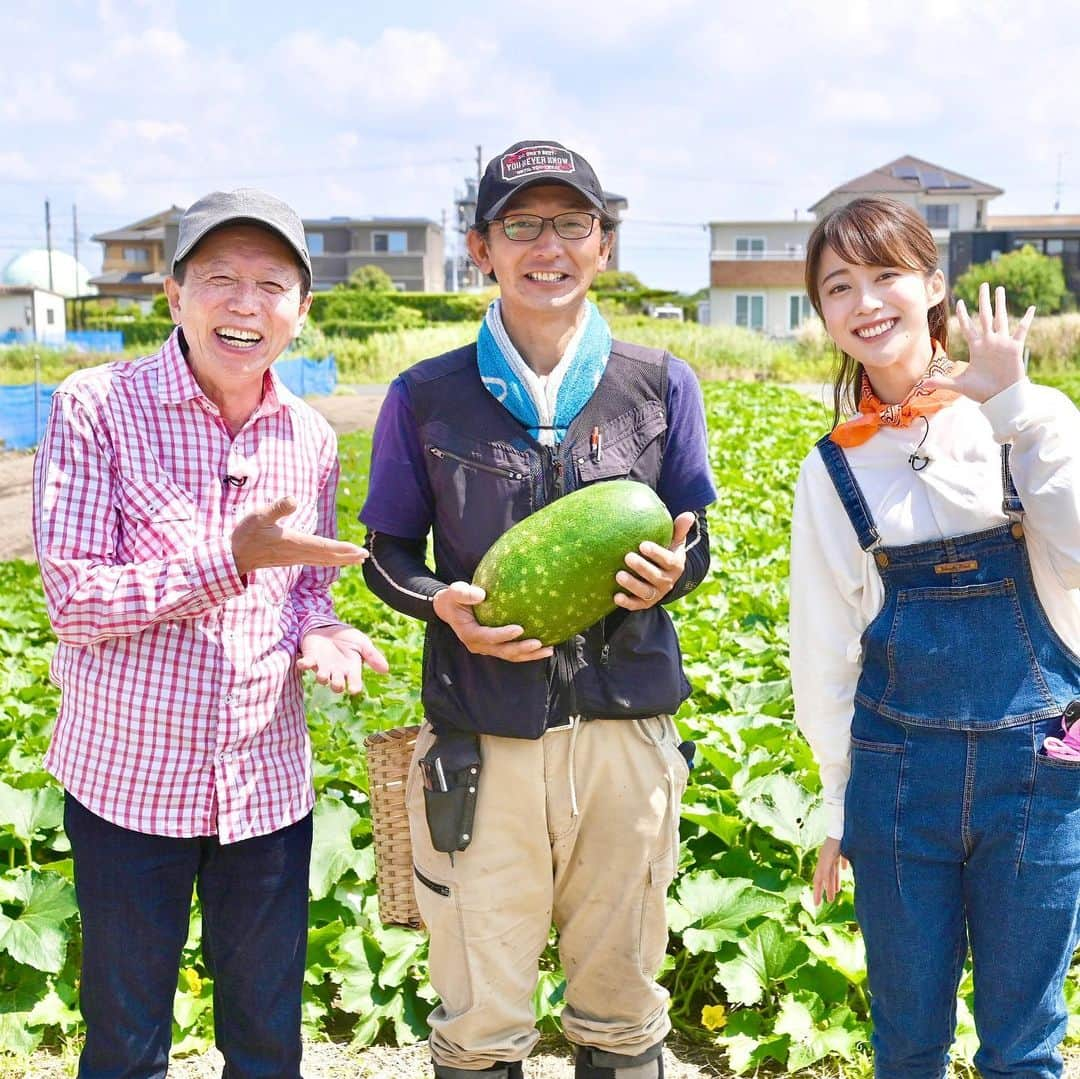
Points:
x=664, y=224
x=55, y=181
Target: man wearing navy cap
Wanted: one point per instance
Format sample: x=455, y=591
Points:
x=184, y=524
x=546, y=781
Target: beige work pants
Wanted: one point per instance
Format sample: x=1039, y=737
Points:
x=579, y=828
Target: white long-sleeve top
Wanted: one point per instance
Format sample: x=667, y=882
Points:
x=836, y=589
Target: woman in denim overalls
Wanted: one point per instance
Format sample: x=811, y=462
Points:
x=935, y=631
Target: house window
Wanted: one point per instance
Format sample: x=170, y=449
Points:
x=50, y=317
x=139, y=255
x=799, y=309
x=1055, y=247
x=941, y=215
x=750, y=310
x=390, y=243
x=315, y=243
x=749, y=247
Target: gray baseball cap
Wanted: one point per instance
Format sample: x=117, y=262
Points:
x=244, y=205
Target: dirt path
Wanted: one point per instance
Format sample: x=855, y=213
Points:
x=323, y=1060
x=346, y=412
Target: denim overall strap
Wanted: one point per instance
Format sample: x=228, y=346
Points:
x=850, y=494
x=1011, y=505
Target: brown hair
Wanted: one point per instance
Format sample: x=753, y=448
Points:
x=872, y=232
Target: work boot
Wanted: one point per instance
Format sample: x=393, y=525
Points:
x=600, y=1064
x=509, y=1070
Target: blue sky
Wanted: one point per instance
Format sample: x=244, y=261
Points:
x=695, y=111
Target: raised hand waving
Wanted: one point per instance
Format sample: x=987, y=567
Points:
x=995, y=356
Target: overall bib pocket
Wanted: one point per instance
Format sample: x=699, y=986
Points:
x=929, y=646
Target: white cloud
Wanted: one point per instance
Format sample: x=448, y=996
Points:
x=109, y=184
x=398, y=71
x=157, y=130
x=152, y=44
x=344, y=142
x=40, y=102
x=855, y=103
x=15, y=166
x=593, y=27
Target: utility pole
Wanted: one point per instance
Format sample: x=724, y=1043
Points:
x=75, y=247
x=451, y=254
x=479, y=164
x=48, y=242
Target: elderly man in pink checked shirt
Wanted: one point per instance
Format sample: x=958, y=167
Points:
x=184, y=523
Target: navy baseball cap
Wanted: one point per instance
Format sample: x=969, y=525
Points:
x=245, y=205
x=535, y=161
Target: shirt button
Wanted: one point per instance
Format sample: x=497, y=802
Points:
x=228, y=698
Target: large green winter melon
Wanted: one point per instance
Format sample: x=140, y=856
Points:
x=554, y=572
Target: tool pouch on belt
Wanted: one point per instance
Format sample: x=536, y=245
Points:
x=451, y=774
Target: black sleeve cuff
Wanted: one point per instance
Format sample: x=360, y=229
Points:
x=697, y=559
x=397, y=573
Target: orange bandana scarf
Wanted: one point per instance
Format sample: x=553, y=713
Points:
x=875, y=414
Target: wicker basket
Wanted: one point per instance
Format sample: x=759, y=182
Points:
x=388, y=756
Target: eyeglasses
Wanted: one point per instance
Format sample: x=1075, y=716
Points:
x=573, y=225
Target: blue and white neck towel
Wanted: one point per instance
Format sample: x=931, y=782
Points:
x=546, y=405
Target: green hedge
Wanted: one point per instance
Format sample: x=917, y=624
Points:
x=354, y=305
x=446, y=306
x=397, y=308
x=356, y=329
x=143, y=331
x=633, y=302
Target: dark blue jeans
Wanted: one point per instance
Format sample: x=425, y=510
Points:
x=964, y=839
x=134, y=893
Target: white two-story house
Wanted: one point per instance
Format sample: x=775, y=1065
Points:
x=756, y=267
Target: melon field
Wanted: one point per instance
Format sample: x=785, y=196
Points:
x=753, y=968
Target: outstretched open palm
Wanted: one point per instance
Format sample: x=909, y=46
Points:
x=995, y=356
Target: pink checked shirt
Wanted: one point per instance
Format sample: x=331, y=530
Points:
x=182, y=710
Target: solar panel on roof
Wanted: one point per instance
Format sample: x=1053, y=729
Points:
x=905, y=172
x=956, y=181
x=933, y=178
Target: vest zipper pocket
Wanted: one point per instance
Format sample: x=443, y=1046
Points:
x=508, y=473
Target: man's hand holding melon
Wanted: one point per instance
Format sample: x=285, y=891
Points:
x=544, y=569
x=656, y=569
x=454, y=605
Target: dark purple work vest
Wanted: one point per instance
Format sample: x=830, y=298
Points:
x=486, y=474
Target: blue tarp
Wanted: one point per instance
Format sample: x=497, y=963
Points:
x=86, y=340
x=23, y=412
x=303, y=375
x=97, y=340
